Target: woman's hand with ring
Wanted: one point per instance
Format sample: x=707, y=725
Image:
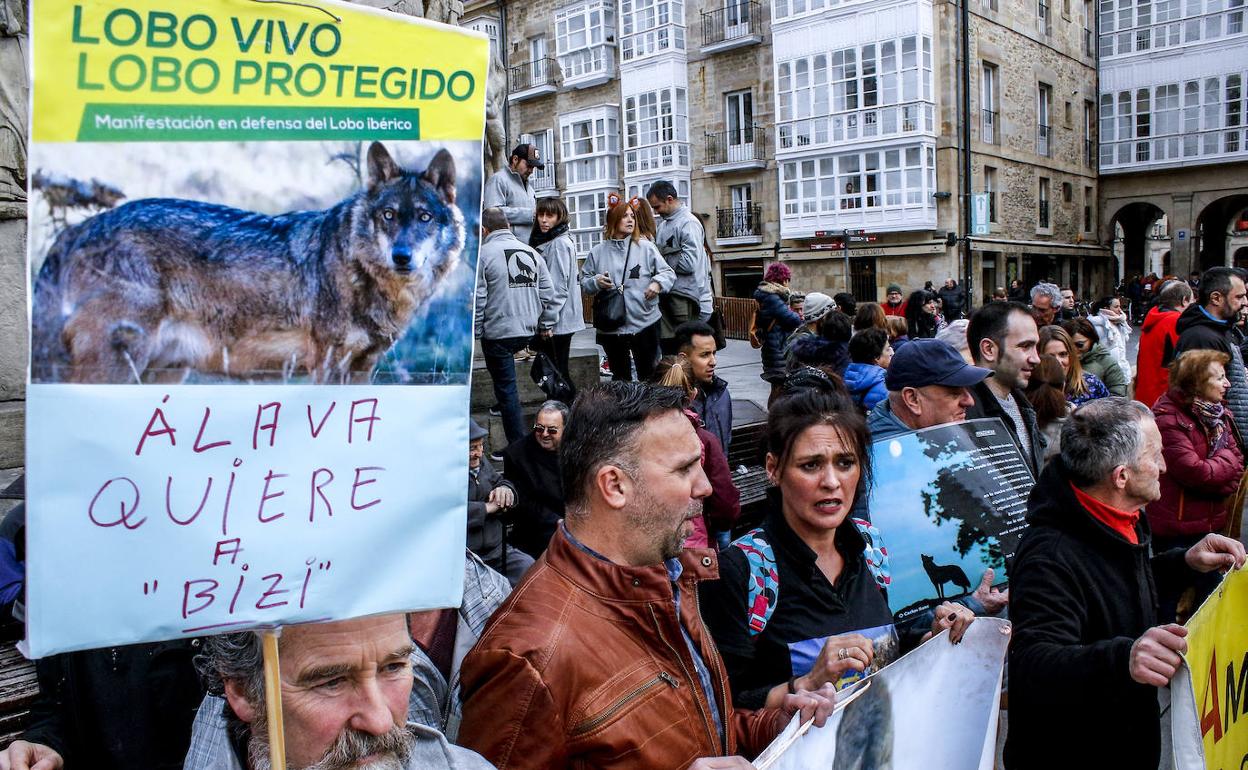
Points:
x=839, y=656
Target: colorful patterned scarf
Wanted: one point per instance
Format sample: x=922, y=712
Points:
x=1210, y=415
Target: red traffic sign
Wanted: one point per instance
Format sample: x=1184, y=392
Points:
x=855, y=232
x=862, y=239
x=830, y=245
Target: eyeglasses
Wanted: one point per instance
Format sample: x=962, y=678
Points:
x=548, y=430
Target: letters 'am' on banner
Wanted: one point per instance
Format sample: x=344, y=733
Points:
x=252, y=249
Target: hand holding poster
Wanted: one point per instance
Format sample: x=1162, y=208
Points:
x=1209, y=694
x=892, y=724
x=949, y=503
x=251, y=269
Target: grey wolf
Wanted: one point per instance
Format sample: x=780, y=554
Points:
x=158, y=288
x=940, y=574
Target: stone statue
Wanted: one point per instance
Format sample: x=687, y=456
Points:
x=494, y=145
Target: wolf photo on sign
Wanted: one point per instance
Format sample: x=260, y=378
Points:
x=237, y=262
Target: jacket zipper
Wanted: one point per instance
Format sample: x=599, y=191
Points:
x=1182, y=500
x=706, y=719
x=719, y=670
x=662, y=678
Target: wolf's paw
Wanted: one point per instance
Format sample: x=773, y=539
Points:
x=125, y=335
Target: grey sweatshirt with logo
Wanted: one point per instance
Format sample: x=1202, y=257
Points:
x=514, y=293
x=680, y=241
x=645, y=264
x=560, y=256
x=507, y=191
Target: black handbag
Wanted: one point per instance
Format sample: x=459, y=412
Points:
x=553, y=382
x=716, y=321
x=610, y=312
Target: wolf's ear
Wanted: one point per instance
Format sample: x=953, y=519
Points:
x=381, y=167
x=441, y=174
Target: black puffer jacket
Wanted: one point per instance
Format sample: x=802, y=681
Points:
x=776, y=320
x=1080, y=595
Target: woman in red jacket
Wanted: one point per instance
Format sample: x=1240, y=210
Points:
x=1204, y=459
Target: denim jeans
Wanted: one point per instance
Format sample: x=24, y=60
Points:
x=501, y=364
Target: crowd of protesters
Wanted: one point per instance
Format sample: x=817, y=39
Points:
x=611, y=618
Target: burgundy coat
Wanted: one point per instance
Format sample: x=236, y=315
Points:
x=723, y=507
x=1196, y=484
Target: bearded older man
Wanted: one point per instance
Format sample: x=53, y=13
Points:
x=345, y=688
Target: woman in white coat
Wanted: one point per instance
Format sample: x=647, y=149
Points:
x=1114, y=329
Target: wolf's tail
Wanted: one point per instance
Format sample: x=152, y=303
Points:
x=47, y=344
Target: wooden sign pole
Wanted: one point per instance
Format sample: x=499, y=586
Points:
x=273, y=700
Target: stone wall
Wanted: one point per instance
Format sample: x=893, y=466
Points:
x=14, y=94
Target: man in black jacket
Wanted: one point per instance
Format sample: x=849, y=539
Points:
x=1087, y=656
x=1003, y=337
x=532, y=466
x=1209, y=324
x=490, y=496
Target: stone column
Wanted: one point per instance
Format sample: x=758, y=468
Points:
x=14, y=96
x=1183, y=256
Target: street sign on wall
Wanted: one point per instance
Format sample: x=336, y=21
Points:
x=979, y=213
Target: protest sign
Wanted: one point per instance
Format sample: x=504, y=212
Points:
x=1209, y=694
x=936, y=706
x=253, y=228
x=948, y=502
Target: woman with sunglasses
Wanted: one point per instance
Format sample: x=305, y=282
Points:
x=1080, y=386
x=798, y=602
x=1094, y=357
x=630, y=264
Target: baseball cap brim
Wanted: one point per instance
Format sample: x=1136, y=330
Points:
x=965, y=377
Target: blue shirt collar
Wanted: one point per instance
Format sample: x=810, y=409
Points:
x=1211, y=316
x=673, y=566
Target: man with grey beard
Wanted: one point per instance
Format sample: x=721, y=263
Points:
x=345, y=689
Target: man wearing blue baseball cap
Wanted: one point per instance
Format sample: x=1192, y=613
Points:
x=928, y=384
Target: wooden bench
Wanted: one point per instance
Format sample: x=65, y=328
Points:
x=18, y=686
x=18, y=689
x=745, y=458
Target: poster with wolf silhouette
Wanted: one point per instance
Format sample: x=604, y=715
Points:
x=252, y=251
x=948, y=503
x=936, y=706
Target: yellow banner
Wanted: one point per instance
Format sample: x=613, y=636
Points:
x=235, y=70
x=1217, y=653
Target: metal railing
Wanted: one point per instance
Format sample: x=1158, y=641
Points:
x=888, y=120
x=736, y=19
x=988, y=126
x=544, y=178
x=1044, y=135
x=1044, y=213
x=739, y=221
x=740, y=145
x=533, y=74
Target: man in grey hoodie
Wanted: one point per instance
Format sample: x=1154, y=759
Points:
x=515, y=299
x=509, y=190
x=681, y=241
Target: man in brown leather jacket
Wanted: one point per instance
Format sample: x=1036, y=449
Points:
x=600, y=658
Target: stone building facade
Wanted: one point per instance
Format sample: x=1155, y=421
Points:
x=14, y=96
x=808, y=118
x=1174, y=144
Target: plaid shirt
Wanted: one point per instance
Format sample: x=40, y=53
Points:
x=432, y=704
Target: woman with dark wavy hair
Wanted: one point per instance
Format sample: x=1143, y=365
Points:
x=921, y=315
x=798, y=602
